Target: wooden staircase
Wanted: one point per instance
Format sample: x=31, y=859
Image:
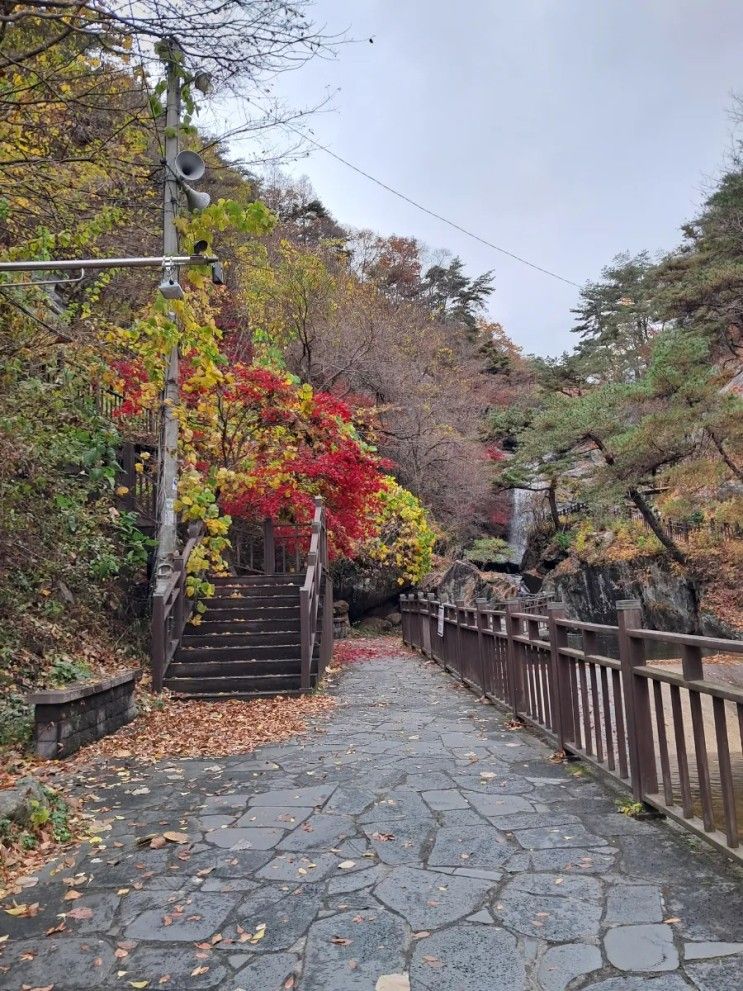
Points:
x=248, y=643
x=262, y=634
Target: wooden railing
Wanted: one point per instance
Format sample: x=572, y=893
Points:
x=171, y=610
x=268, y=549
x=316, y=601
x=141, y=494
x=674, y=737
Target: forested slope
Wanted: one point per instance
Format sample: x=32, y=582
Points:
x=333, y=362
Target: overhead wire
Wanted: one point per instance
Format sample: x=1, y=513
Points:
x=427, y=210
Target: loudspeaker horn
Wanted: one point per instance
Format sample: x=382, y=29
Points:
x=196, y=200
x=189, y=165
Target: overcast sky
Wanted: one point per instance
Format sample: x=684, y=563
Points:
x=563, y=130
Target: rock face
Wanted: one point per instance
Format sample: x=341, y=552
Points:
x=669, y=601
x=365, y=589
x=463, y=580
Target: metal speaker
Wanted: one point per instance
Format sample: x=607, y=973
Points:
x=188, y=165
x=171, y=288
x=195, y=199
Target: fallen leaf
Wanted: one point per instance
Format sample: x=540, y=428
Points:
x=72, y=896
x=198, y=971
x=393, y=982
x=120, y=954
x=176, y=837
x=346, y=865
x=289, y=983
x=422, y=934
x=80, y=913
x=139, y=984
x=24, y=911
x=672, y=920
x=340, y=940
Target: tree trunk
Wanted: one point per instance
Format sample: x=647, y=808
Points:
x=738, y=472
x=552, y=499
x=656, y=526
x=645, y=509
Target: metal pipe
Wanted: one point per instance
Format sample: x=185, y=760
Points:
x=71, y=263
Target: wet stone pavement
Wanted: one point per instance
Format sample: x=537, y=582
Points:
x=411, y=834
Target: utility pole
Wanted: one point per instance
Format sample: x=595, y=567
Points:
x=167, y=534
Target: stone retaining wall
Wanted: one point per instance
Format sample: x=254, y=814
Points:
x=68, y=718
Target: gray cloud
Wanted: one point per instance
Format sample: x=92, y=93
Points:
x=564, y=131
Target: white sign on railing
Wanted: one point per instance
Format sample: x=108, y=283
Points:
x=440, y=627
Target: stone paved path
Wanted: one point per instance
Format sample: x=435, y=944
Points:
x=413, y=834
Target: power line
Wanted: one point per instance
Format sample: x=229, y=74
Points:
x=431, y=213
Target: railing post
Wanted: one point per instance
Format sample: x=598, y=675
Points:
x=157, y=641
x=426, y=634
x=459, y=619
x=128, y=477
x=404, y=619
x=515, y=669
x=643, y=774
x=180, y=600
x=305, y=638
x=480, y=605
x=269, y=548
x=560, y=691
x=326, y=642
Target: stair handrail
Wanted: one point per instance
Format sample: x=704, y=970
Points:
x=171, y=610
x=310, y=593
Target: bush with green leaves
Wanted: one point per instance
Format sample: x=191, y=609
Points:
x=488, y=550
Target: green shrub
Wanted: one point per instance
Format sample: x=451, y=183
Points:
x=16, y=719
x=488, y=550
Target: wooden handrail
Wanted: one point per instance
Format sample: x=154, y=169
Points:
x=171, y=610
x=666, y=734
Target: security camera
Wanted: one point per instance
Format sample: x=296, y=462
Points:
x=200, y=247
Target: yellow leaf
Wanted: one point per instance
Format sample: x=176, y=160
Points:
x=139, y=984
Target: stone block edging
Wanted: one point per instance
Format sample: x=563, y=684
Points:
x=66, y=719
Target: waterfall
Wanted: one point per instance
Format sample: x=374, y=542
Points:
x=521, y=523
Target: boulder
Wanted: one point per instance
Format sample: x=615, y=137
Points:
x=365, y=588
x=462, y=580
x=18, y=803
